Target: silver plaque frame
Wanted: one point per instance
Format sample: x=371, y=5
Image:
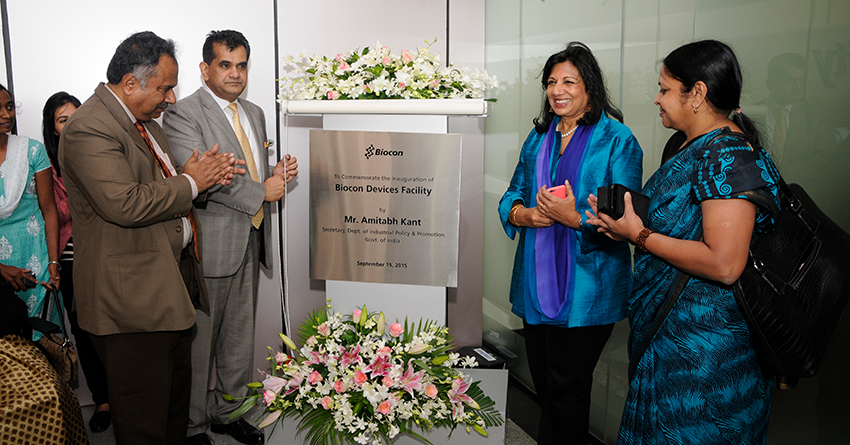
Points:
x=384, y=207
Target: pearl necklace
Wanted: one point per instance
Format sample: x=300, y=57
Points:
x=563, y=135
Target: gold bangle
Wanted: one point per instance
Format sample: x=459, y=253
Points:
x=640, y=241
x=512, y=215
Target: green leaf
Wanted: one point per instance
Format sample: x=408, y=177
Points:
x=418, y=436
x=480, y=430
x=487, y=410
x=245, y=407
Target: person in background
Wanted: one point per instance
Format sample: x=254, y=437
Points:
x=570, y=283
x=29, y=227
x=698, y=381
x=57, y=110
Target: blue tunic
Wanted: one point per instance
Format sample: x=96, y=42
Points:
x=602, y=280
x=699, y=381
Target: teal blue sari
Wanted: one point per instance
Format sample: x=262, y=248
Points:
x=699, y=381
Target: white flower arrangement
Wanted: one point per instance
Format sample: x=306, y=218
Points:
x=374, y=73
x=358, y=380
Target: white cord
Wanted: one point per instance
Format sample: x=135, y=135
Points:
x=284, y=255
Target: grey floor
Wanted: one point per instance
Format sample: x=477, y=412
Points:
x=514, y=435
x=108, y=437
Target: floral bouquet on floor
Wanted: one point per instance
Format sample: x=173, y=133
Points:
x=375, y=73
x=355, y=379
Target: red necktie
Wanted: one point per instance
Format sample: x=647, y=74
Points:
x=167, y=173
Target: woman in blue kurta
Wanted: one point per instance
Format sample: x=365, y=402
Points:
x=699, y=381
x=570, y=283
x=29, y=228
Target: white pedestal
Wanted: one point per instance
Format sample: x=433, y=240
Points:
x=396, y=301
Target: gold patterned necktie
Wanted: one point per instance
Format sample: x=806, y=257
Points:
x=257, y=219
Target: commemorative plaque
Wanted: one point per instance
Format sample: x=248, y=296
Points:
x=384, y=207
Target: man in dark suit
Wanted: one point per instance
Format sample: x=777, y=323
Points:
x=237, y=223
x=137, y=239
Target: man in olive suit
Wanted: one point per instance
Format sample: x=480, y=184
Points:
x=137, y=239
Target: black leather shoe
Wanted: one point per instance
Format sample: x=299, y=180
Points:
x=100, y=421
x=199, y=439
x=240, y=430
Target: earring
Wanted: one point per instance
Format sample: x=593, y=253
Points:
x=696, y=109
x=550, y=109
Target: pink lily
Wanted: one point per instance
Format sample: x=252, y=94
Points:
x=293, y=384
x=379, y=366
x=457, y=397
x=412, y=381
x=350, y=356
x=315, y=359
x=272, y=383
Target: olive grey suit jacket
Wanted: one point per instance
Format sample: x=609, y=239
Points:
x=197, y=121
x=127, y=223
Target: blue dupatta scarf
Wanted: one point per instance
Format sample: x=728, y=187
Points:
x=554, y=245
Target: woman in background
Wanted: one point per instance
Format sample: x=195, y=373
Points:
x=57, y=110
x=570, y=283
x=29, y=229
x=699, y=381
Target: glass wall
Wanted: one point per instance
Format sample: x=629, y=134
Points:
x=796, y=60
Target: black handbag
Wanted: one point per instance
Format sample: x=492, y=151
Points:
x=795, y=285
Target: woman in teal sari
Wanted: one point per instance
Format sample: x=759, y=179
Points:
x=698, y=381
x=569, y=284
x=29, y=227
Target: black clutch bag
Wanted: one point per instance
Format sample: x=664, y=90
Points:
x=612, y=202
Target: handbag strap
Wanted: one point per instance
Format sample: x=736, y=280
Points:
x=676, y=288
x=52, y=297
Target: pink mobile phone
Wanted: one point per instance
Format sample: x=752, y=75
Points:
x=559, y=191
